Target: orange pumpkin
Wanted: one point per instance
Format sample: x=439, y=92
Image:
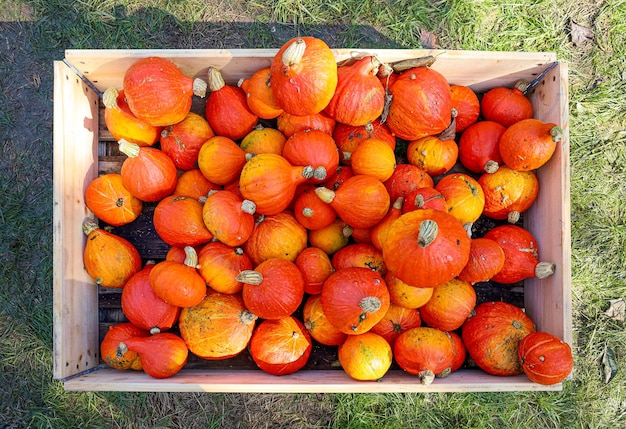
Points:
x=228, y=217
x=177, y=283
x=162, y=355
x=109, y=259
x=263, y=140
x=259, y=94
x=218, y=328
x=317, y=324
x=425, y=352
x=315, y=266
x=529, y=144
x=466, y=103
x=291, y=124
x=485, y=261
x=182, y=141
x=123, y=124
x=397, y=320
x=373, y=157
x=303, y=76
x=405, y=295
x=359, y=255
x=220, y=264
x=158, y=92
x=276, y=236
x=112, y=338
x=193, y=184
x=348, y=137
x=405, y=179
x=365, y=357
x=449, y=306
x=221, y=160
x=110, y=201
x=460, y=352
x=464, y=196
x=332, y=238
x=313, y=148
x=425, y=198
x=545, y=359
x=378, y=232
x=479, y=147
x=508, y=193
x=435, y=155
x=507, y=105
x=311, y=212
x=178, y=221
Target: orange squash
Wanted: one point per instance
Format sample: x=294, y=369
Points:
x=332, y=238
x=508, y=193
x=425, y=198
x=545, y=359
x=162, y=355
x=464, y=196
x=397, y=320
x=507, y=105
x=485, y=261
x=311, y=212
x=313, y=148
x=378, y=232
x=315, y=266
x=228, y=217
x=177, y=283
x=479, y=147
x=405, y=295
x=365, y=357
x=123, y=124
x=291, y=124
x=359, y=255
x=435, y=155
x=220, y=264
x=405, y=179
x=276, y=236
x=529, y=144
x=193, y=184
x=263, y=140
x=110, y=201
x=221, y=160
x=466, y=103
x=348, y=137
x=259, y=94
x=112, y=338
x=450, y=305
x=178, y=221
x=373, y=157
x=182, y=141
x=317, y=324
x=425, y=352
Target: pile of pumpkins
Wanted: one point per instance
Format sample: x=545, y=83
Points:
x=318, y=228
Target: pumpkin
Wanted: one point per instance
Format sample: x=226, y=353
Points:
x=312, y=148
x=221, y=160
x=177, y=283
x=259, y=94
x=348, y=137
x=529, y=144
x=315, y=266
x=276, y=236
x=158, y=92
x=421, y=104
x=479, y=147
x=425, y=198
x=405, y=295
x=466, y=103
x=311, y=212
x=343, y=173
x=263, y=140
x=143, y=308
x=218, y=328
x=485, y=261
x=317, y=324
x=332, y=238
x=507, y=105
x=354, y=299
x=193, y=184
x=424, y=352
x=108, y=347
x=434, y=154
x=178, y=222
x=449, y=306
x=405, y=179
x=426, y=248
x=492, y=334
x=220, y=264
x=508, y=193
x=373, y=157
x=378, y=232
x=227, y=108
x=109, y=259
x=464, y=196
x=162, y=355
x=359, y=97
x=365, y=357
x=270, y=181
x=359, y=255
x=460, y=352
x=182, y=141
x=110, y=201
x=521, y=255
x=281, y=346
x=545, y=359
x=291, y=124
x=274, y=289
x=148, y=173
x=397, y=320
x=361, y=201
x=303, y=76
x=228, y=217
x=123, y=124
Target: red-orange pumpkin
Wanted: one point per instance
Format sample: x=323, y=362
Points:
x=373, y=157
x=449, y=306
x=193, y=184
x=123, y=124
x=317, y=324
x=405, y=295
x=460, y=352
x=311, y=212
x=492, y=334
x=177, y=283
x=545, y=359
x=303, y=76
x=291, y=124
x=405, y=179
x=466, y=103
x=529, y=144
x=354, y=299
x=221, y=160
x=425, y=352
x=158, y=92
x=259, y=94
x=228, y=217
x=162, y=355
x=313, y=148
x=263, y=140
x=332, y=238
x=479, y=147
x=435, y=155
x=360, y=255
x=110, y=201
x=425, y=198
x=220, y=264
x=178, y=221
x=508, y=193
x=464, y=196
x=315, y=266
x=348, y=137
x=397, y=320
x=276, y=236
x=485, y=261
x=426, y=248
x=378, y=232
x=182, y=141
x=507, y=105
x=112, y=338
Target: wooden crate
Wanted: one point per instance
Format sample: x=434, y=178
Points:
x=83, y=75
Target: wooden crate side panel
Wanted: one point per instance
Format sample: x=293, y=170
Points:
x=548, y=301
x=75, y=164
x=333, y=381
x=480, y=70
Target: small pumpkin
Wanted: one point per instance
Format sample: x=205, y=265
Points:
x=373, y=157
x=221, y=160
x=343, y=173
x=193, y=184
x=425, y=352
x=466, y=103
x=508, y=193
x=178, y=222
x=276, y=236
x=177, y=283
x=148, y=173
x=485, y=261
x=434, y=154
x=348, y=137
x=479, y=147
x=303, y=76
x=425, y=198
x=109, y=259
x=281, y=346
x=227, y=108
x=450, y=305
x=317, y=324
x=492, y=334
x=397, y=320
x=220, y=327
x=354, y=299
x=464, y=196
x=274, y=289
x=545, y=359
x=311, y=212
x=405, y=295
x=158, y=92
x=220, y=264
x=360, y=255
x=313, y=148
x=366, y=357
x=332, y=238
x=291, y=124
x=183, y=140
x=110, y=201
x=263, y=140
x=162, y=355
x=228, y=217
x=507, y=105
x=123, y=124
x=259, y=94
x=108, y=347
x=529, y=144
x=315, y=266
x=405, y=179
x=378, y=232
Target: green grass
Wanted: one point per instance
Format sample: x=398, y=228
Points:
x=36, y=32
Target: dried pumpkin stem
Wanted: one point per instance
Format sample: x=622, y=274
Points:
x=294, y=53
x=370, y=304
x=325, y=194
x=248, y=206
x=191, y=257
x=129, y=149
x=109, y=98
x=250, y=277
x=557, y=133
x=121, y=350
x=491, y=166
x=427, y=233
x=426, y=377
x=320, y=173
x=216, y=80
x=199, y=87
x=247, y=317
x=544, y=269
x=513, y=217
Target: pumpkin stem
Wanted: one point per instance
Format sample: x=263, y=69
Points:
x=121, y=350
x=522, y=85
x=249, y=156
x=294, y=53
x=238, y=251
x=467, y=226
x=544, y=269
x=307, y=212
x=491, y=166
x=513, y=217
x=369, y=128
x=247, y=317
x=308, y=172
x=248, y=206
x=250, y=277
x=427, y=233
x=155, y=330
x=191, y=257
x=370, y=304
x=403, y=65
x=398, y=203
x=89, y=226
x=557, y=133
x=216, y=80
x=426, y=377
x=319, y=173
x=109, y=98
x=325, y=194
x=347, y=231
x=419, y=201
x=199, y=87
x=129, y=149
x=450, y=132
